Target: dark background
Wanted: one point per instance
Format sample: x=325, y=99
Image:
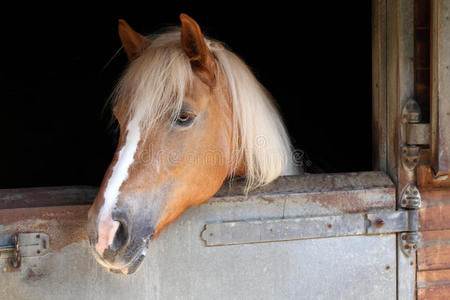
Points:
x=57, y=71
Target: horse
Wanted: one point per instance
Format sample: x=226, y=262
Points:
x=190, y=115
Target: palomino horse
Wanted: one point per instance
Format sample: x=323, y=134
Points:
x=191, y=114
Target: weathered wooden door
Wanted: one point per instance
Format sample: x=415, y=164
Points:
x=411, y=84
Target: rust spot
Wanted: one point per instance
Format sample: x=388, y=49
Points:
x=34, y=275
x=330, y=226
x=379, y=223
x=388, y=267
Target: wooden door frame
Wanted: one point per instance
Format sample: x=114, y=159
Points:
x=392, y=87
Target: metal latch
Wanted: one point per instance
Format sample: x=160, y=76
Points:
x=15, y=246
x=273, y=230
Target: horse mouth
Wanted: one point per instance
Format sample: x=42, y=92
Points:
x=133, y=265
x=129, y=268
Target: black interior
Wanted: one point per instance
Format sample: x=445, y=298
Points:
x=59, y=67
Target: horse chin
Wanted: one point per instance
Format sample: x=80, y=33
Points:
x=133, y=266
x=129, y=268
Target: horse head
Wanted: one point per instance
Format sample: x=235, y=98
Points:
x=190, y=115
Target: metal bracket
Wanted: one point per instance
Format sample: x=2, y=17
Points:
x=410, y=197
x=15, y=246
x=409, y=241
x=410, y=200
x=273, y=230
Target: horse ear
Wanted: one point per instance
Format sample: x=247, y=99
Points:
x=193, y=42
x=133, y=42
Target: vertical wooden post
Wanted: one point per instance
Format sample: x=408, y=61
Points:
x=440, y=87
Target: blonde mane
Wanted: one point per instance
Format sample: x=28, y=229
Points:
x=154, y=86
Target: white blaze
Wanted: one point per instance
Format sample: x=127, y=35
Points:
x=107, y=226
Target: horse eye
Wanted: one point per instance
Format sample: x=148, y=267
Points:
x=185, y=119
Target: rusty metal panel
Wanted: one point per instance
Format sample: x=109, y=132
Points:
x=180, y=266
x=440, y=87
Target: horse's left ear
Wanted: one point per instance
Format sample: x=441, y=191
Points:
x=193, y=42
x=133, y=42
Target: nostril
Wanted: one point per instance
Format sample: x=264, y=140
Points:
x=120, y=238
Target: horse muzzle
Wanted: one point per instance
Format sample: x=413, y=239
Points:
x=126, y=244
x=115, y=263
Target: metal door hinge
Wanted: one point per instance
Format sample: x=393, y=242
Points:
x=410, y=200
x=418, y=133
x=273, y=230
x=15, y=246
x=415, y=134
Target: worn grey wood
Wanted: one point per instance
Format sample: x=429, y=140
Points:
x=180, y=266
x=379, y=81
x=399, y=89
